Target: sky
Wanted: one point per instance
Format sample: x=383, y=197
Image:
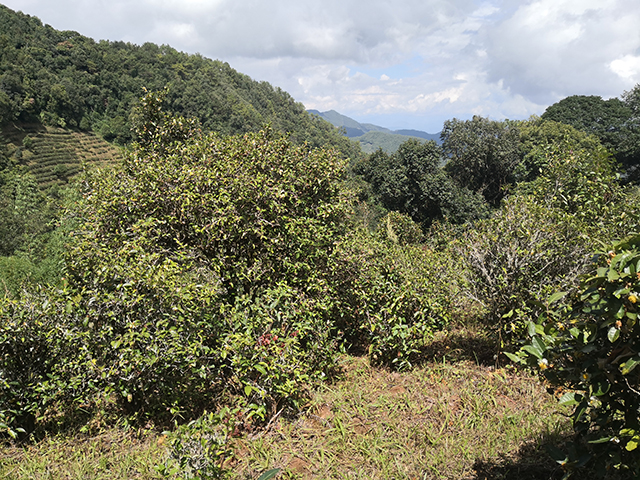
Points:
x=398, y=64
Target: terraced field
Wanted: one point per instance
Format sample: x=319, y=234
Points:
x=55, y=155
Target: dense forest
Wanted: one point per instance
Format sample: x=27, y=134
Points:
x=61, y=78
x=240, y=247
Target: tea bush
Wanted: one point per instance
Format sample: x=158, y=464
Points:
x=588, y=350
x=539, y=241
x=393, y=296
x=184, y=261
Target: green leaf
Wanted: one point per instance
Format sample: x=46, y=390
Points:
x=260, y=369
x=514, y=357
x=247, y=390
x=558, y=455
x=570, y=398
x=556, y=296
x=613, y=334
x=601, y=440
x=269, y=474
x=539, y=344
x=632, y=444
x=533, y=350
x=629, y=365
x=600, y=388
x=509, y=314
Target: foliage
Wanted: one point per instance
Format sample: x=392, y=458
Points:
x=525, y=251
x=411, y=181
x=30, y=246
x=539, y=241
x=399, y=228
x=199, y=449
x=483, y=155
x=394, y=296
x=275, y=346
x=612, y=121
x=587, y=350
x=542, y=139
x=184, y=264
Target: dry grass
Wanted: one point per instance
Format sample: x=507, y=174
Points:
x=443, y=420
x=451, y=418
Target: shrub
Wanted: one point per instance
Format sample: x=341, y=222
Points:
x=526, y=251
x=588, y=349
x=539, y=241
x=393, y=297
x=183, y=263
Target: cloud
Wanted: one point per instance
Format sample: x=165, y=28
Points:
x=627, y=67
x=421, y=60
x=549, y=49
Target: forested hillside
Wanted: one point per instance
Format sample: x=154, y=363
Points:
x=64, y=79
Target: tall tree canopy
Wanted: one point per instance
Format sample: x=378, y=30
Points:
x=613, y=121
x=483, y=155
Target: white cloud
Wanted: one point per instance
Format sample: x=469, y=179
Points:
x=422, y=60
x=627, y=67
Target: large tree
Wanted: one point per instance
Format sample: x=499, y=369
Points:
x=483, y=155
x=612, y=121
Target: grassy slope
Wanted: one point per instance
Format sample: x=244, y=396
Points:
x=452, y=418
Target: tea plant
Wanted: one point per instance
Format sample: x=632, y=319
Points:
x=588, y=349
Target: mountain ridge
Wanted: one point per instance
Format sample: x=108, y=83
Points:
x=370, y=136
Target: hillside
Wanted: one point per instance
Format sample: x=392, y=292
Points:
x=388, y=142
x=53, y=154
x=370, y=136
x=64, y=79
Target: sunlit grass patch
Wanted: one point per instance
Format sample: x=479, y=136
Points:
x=114, y=454
x=438, y=421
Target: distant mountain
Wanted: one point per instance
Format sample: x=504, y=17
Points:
x=372, y=137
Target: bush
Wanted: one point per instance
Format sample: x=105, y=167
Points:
x=526, y=251
x=393, y=297
x=199, y=270
x=588, y=349
x=539, y=241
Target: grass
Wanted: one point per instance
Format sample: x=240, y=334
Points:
x=112, y=455
x=451, y=418
x=439, y=421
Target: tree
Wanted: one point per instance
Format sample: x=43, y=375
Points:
x=541, y=140
x=609, y=120
x=483, y=155
x=411, y=181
